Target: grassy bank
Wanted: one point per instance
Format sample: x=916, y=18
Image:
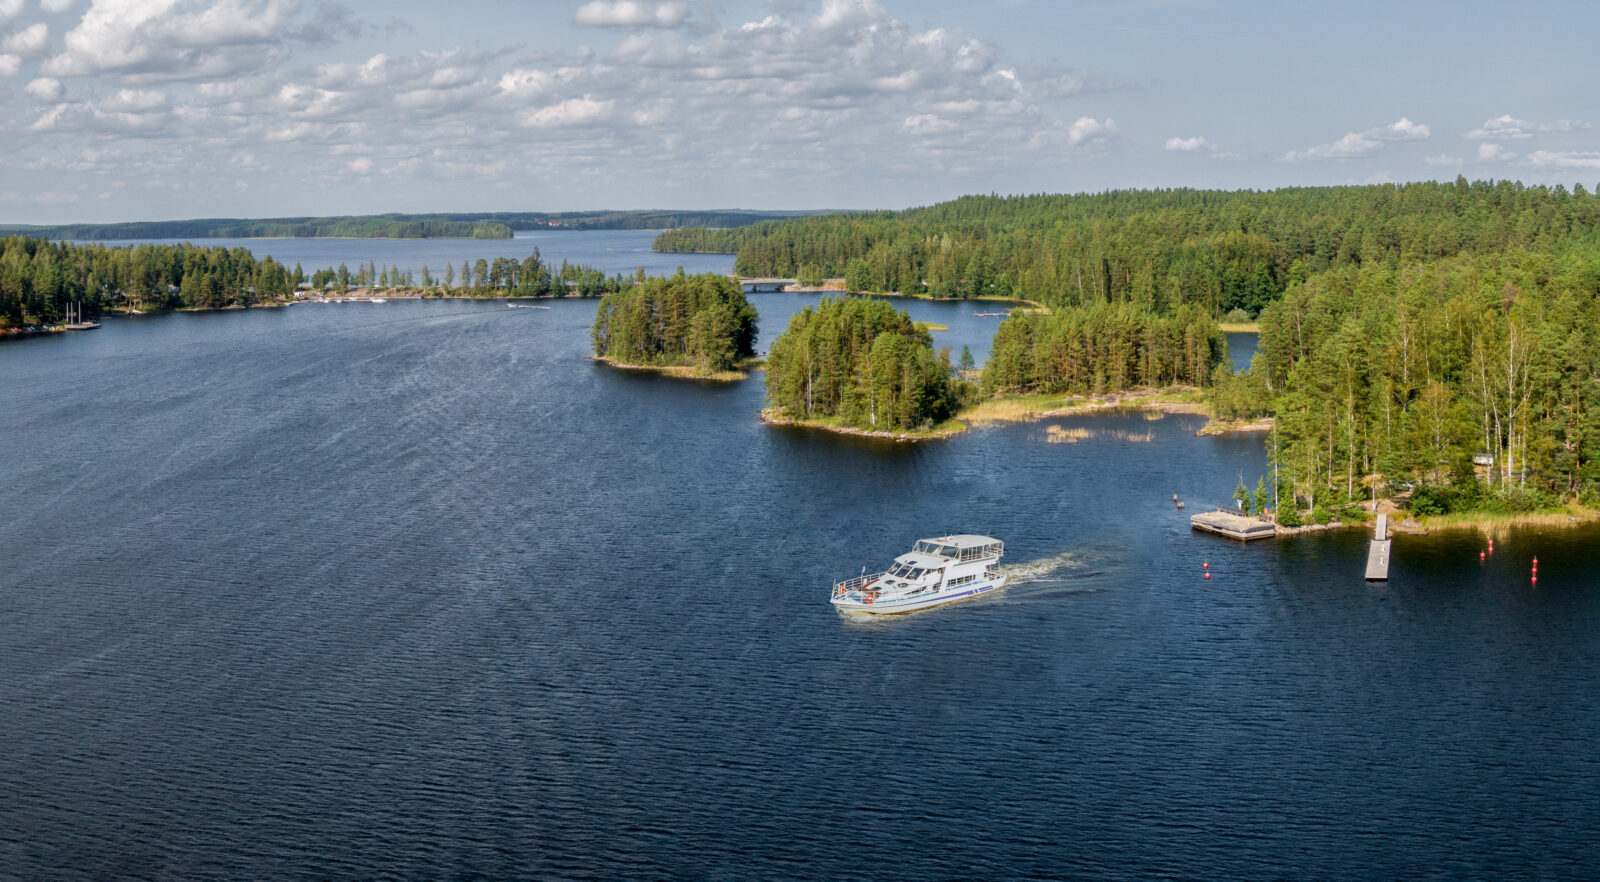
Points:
x=1571, y=516
x=1027, y=408
x=687, y=372
x=946, y=429
x=1240, y=327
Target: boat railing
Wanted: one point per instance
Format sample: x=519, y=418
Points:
x=857, y=582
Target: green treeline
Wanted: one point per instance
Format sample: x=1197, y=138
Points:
x=862, y=362
x=501, y=277
x=702, y=321
x=1157, y=248
x=467, y=225
x=39, y=278
x=1103, y=348
x=1384, y=379
x=371, y=227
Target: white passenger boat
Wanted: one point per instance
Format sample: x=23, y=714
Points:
x=935, y=571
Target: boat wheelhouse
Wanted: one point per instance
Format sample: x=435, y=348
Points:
x=935, y=571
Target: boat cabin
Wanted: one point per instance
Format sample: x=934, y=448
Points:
x=962, y=549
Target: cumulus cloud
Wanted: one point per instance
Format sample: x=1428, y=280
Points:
x=1362, y=143
x=630, y=14
x=1195, y=144
x=1494, y=152
x=1443, y=160
x=1506, y=127
x=1565, y=159
x=9, y=65
x=45, y=89
x=1087, y=128
x=9, y=10
x=31, y=41
x=175, y=39
x=181, y=85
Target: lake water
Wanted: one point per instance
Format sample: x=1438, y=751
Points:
x=415, y=590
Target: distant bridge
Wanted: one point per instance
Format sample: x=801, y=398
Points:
x=758, y=286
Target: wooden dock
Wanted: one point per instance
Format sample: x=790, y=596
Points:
x=1233, y=524
x=1378, y=551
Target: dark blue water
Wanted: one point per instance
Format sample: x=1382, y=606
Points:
x=416, y=590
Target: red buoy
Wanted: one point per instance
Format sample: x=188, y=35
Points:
x=1205, y=566
x=1536, y=563
x=1208, y=577
x=1480, y=555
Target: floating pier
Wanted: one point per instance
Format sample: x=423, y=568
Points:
x=1378, y=552
x=1233, y=524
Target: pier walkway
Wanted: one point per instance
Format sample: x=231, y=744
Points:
x=1378, y=551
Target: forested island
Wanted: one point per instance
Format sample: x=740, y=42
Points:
x=482, y=278
x=698, y=326
x=1435, y=343
x=463, y=225
x=860, y=364
x=40, y=278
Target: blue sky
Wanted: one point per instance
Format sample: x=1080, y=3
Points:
x=154, y=109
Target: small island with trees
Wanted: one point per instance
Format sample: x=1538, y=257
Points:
x=860, y=366
x=699, y=327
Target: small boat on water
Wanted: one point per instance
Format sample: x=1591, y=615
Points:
x=935, y=571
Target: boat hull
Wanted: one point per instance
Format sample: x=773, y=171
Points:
x=845, y=602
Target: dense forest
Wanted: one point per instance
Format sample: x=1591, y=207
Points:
x=501, y=277
x=39, y=278
x=703, y=321
x=862, y=362
x=1158, y=249
x=1103, y=348
x=468, y=225
x=1470, y=381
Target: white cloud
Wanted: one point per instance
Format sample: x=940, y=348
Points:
x=29, y=42
x=1565, y=159
x=174, y=39
x=1443, y=160
x=45, y=89
x=1195, y=144
x=134, y=101
x=630, y=14
x=1362, y=143
x=57, y=5
x=9, y=65
x=9, y=10
x=178, y=87
x=1502, y=127
x=572, y=112
x=1086, y=128
x=1402, y=130
x=1494, y=152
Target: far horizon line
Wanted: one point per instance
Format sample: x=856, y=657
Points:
x=22, y=226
